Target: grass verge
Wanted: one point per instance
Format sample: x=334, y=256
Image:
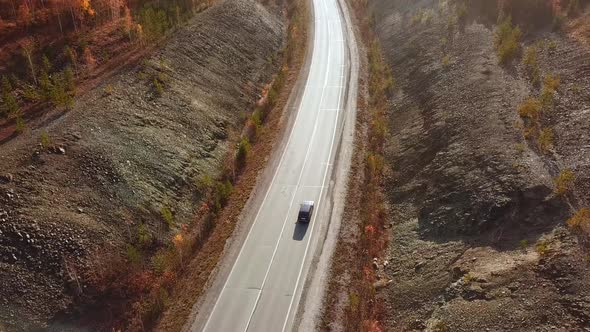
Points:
x=219, y=214
x=363, y=237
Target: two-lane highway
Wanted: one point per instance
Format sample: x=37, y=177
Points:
x=263, y=289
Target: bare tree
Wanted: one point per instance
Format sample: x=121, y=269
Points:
x=28, y=47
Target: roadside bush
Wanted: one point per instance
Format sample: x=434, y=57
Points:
x=564, y=182
x=507, y=41
x=223, y=190
x=250, y=130
x=242, y=153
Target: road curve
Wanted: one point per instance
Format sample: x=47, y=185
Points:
x=264, y=286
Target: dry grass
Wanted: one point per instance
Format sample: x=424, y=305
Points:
x=580, y=221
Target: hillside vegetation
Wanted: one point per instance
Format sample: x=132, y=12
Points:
x=50, y=48
x=486, y=170
x=100, y=205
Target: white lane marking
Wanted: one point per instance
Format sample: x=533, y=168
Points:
x=297, y=117
x=315, y=127
x=319, y=200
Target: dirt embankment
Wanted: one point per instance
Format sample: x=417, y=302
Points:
x=478, y=235
x=129, y=151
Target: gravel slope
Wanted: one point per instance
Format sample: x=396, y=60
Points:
x=470, y=197
x=121, y=155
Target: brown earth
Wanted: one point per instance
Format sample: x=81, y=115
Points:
x=478, y=236
x=125, y=152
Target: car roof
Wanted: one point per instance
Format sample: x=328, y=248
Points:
x=306, y=206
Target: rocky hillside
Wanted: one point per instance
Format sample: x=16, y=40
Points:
x=108, y=182
x=480, y=188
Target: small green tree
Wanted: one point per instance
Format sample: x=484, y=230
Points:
x=45, y=140
x=20, y=124
x=9, y=102
x=58, y=92
x=45, y=85
x=167, y=216
x=144, y=237
x=69, y=79
x=507, y=40
x=46, y=64
x=71, y=56
x=27, y=48
x=133, y=255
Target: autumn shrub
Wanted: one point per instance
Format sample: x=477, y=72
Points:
x=580, y=220
x=158, y=87
x=564, y=182
x=545, y=140
x=542, y=247
x=531, y=65
x=507, y=41
x=530, y=108
x=44, y=139
x=446, y=60
x=551, y=82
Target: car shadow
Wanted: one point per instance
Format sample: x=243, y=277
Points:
x=300, y=230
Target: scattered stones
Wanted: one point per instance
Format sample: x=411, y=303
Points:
x=382, y=283
x=419, y=266
x=6, y=178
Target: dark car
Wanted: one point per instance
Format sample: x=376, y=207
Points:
x=305, y=212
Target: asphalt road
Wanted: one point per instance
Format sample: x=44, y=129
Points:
x=264, y=287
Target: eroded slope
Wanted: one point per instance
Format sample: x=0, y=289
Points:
x=478, y=235
x=129, y=149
